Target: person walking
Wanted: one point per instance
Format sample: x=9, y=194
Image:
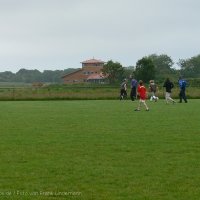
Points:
x=142, y=94
x=134, y=84
x=168, y=87
x=182, y=85
x=152, y=90
x=123, y=90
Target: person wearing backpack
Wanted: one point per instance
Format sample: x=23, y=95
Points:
x=182, y=85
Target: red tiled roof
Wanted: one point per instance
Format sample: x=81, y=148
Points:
x=92, y=61
x=96, y=76
x=72, y=73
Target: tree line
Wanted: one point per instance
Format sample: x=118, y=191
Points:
x=154, y=66
x=31, y=76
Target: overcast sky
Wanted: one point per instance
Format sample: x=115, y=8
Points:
x=59, y=34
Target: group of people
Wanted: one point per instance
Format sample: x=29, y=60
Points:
x=139, y=90
x=169, y=85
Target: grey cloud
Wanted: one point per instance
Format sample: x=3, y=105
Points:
x=61, y=33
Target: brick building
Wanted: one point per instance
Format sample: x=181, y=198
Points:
x=90, y=72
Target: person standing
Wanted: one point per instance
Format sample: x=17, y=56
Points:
x=133, y=88
x=123, y=90
x=168, y=87
x=182, y=84
x=143, y=94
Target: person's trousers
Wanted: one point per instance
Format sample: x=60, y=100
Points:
x=182, y=96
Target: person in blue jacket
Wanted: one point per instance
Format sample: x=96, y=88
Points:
x=182, y=85
x=134, y=84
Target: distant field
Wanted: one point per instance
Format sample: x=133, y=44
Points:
x=99, y=150
x=76, y=92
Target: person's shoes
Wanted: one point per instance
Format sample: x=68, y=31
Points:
x=174, y=102
x=136, y=109
x=147, y=109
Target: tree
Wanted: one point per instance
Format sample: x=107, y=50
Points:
x=52, y=76
x=28, y=76
x=7, y=76
x=128, y=71
x=114, y=71
x=145, y=69
x=163, y=66
x=190, y=67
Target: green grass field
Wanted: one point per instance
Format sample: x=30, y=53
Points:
x=99, y=150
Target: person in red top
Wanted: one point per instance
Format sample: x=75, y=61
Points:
x=142, y=92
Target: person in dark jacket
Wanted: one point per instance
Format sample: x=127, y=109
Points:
x=168, y=89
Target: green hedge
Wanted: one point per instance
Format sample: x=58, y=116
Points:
x=63, y=92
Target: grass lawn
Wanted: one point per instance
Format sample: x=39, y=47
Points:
x=101, y=150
